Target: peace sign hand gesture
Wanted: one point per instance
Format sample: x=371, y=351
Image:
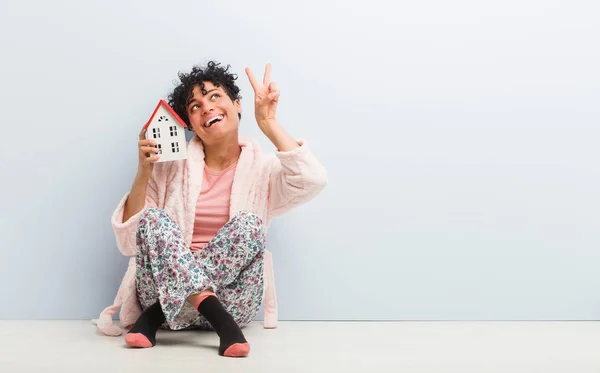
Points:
x=266, y=97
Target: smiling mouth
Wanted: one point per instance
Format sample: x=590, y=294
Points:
x=212, y=121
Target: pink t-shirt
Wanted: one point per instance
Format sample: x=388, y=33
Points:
x=212, y=208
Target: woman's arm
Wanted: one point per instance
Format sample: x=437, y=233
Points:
x=295, y=176
x=279, y=137
x=143, y=194
x=136, y=200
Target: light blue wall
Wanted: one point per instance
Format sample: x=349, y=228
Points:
x=461, y=140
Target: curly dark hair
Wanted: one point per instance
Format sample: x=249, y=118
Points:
x=213, y=72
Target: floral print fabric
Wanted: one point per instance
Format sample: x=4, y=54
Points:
x=231, y=265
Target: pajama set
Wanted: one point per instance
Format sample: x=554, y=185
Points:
x=230, y=263
x=202, y=230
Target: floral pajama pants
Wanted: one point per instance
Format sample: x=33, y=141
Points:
x=231, y=264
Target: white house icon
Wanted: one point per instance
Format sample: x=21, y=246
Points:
x=167, y=129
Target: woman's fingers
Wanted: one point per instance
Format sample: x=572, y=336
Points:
x=149, y=149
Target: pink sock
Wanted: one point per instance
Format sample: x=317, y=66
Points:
x=137, y=340
x=237, y=350
x=232, y=342
x=201, y=298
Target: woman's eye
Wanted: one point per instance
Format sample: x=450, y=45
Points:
x=214, y=95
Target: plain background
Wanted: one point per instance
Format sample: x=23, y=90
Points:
x=461, y=141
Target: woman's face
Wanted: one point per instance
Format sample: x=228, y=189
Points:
x=212, y=114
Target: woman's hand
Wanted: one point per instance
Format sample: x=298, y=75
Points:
x=266, y=98
x=147, y=156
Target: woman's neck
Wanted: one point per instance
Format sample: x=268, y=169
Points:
x=220, y=156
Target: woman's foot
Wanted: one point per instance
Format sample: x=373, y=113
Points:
x=233, y=343
x=143, y=332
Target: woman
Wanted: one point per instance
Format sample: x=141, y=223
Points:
x=197, y=227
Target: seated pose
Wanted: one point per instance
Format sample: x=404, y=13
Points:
x=198, y=227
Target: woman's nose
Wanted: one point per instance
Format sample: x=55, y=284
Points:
x=207, y=109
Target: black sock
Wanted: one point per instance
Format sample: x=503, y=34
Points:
x=149, y=322
x=227, y=329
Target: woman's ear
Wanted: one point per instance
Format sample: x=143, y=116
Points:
x=238, y=107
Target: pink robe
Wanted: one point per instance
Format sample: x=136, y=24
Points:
x=267, y=184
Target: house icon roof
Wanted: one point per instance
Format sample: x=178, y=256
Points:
x=164, y=104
